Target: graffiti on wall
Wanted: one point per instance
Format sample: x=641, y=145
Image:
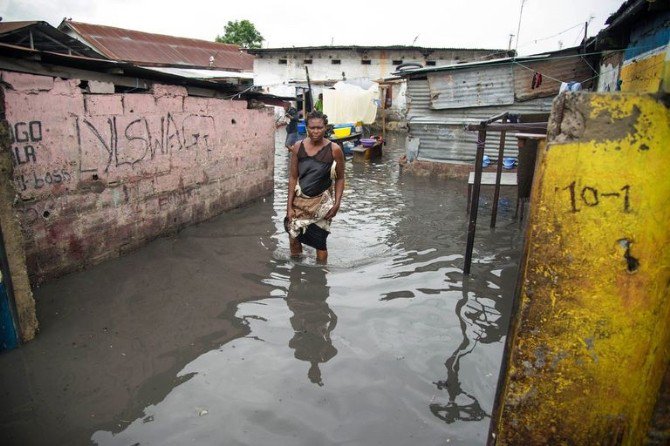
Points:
x=26, y=145
x=32, y=212
x=114, y=142
x=24, y=136
x=107, y=144
x=175, y=198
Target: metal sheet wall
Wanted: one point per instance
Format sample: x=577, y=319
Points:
x=441, y=132
x=571, y=67
x=471, y=87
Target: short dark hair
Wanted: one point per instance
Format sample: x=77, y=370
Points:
x=315, y=114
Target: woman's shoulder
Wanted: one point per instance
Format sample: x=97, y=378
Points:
x=299, y=147
x=334, y=146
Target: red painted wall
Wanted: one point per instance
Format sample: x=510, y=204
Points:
x=99, y=174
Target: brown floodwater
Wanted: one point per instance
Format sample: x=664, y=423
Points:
x=214, y=336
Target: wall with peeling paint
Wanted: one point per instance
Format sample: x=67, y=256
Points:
x=590, y=342
x=99, y=174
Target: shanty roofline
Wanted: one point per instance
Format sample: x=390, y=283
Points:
x=158, y=49
x=50, y=61
x=43, y=36
x=632, y=11
x=625, y=11
x=364, y=48
x=203, y=73
x=6, y=27
x=503, y=60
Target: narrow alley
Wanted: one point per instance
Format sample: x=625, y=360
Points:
x=215, y=336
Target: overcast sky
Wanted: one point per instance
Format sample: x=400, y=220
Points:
x=430, y=23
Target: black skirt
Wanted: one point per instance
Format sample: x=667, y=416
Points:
x=315, y=237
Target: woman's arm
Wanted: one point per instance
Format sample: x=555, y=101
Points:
x=292, y=180
x=338, y=156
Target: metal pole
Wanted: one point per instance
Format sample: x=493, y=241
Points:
x=496, y=193
x=474, y=201
x=384, y=95
x=310, y=106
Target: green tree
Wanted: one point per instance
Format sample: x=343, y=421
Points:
x=242, y=33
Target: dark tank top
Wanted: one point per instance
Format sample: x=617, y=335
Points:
x=314, y=171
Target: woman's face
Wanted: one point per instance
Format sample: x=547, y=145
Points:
x=316, y=129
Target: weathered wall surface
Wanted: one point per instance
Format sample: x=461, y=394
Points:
x=97, y=175
x=382, y=62
x=646, y=58
x=12, y=240
x=590, y=343
x=610, y=69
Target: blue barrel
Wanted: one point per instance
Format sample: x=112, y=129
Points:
x=8, y=335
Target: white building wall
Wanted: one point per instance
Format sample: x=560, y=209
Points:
x=282, y=78
x=269, y=71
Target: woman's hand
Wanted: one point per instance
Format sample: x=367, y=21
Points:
x=332, y=212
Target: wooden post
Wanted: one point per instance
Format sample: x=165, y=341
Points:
x=474, y=200
x=384, y=93
x=496, y=193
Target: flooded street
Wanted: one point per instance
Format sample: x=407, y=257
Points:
x=216, y=337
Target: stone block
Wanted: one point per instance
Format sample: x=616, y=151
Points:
x=98, y=87
x=160, y=90
x=139, y=104
x=27, y=82
x=99, y=105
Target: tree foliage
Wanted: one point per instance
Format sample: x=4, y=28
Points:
x=242, y=33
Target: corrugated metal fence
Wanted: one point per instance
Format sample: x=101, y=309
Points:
x=441, y=132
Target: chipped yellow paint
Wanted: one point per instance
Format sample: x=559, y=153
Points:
x=591, y=339
x=643, y=75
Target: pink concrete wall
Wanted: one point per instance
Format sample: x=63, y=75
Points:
x=100, y=174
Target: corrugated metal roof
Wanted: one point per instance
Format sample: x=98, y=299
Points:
x=627, y=10
x=475, y=87
x=417, y=72
x=195, y=73
x=26, y=60
x=6, y=27
x=39, y=35
x=441, y=133
x=420, y=72
x=157, y=49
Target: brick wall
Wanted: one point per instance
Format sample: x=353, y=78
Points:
x=99, y=174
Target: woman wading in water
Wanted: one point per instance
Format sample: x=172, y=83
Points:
x=315, y=186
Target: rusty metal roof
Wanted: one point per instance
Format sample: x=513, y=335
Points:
x=40, y=35
x=47, y=63
x=566, y=52
x=6, y=27
x=158, y=49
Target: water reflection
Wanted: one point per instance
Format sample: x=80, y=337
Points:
x=312, y=319
x=480, y=322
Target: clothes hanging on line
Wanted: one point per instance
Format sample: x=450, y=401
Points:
x=537, y=81
x=570, y=86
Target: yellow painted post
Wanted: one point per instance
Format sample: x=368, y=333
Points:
x=590, y=340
